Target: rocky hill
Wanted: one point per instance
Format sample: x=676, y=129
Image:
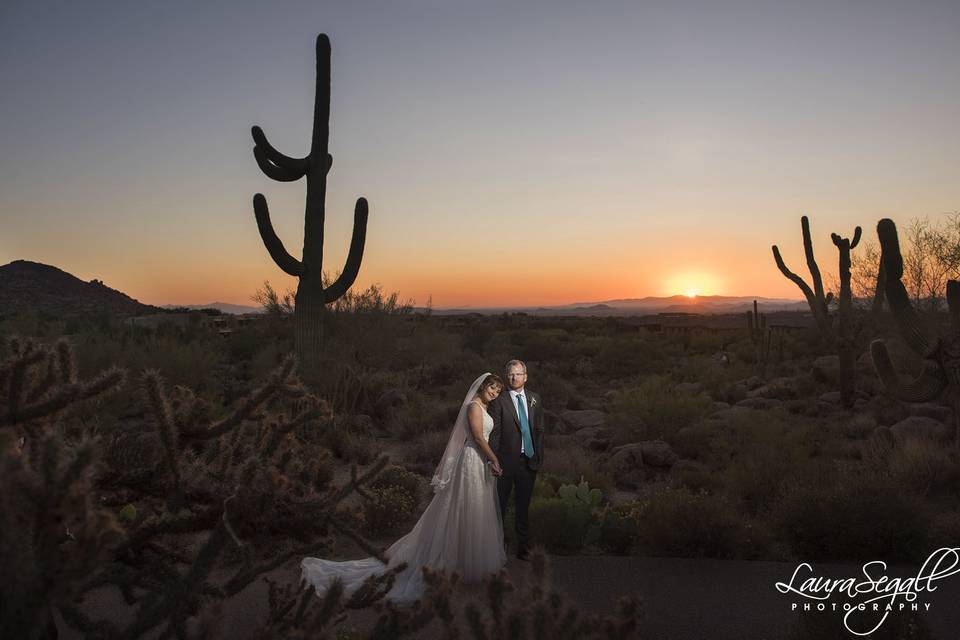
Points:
x=31, y=286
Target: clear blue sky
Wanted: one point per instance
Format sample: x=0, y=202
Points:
x=537, y=152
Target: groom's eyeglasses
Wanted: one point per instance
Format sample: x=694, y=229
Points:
x=515, y=375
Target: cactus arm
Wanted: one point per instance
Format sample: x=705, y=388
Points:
x=276, y=172
x=274, y=245
x=856, y=238
x=816, y=306
x=896, y=293
x=272, y=162
x=811, y=261
x=927, y=386
x=953, y=303
x=352, y=266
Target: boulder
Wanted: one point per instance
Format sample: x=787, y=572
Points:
x=658, y=453
x=631, y=464
x=688, y=388
x=574, y=420
x=826, y=369
x=389, y=400
x=931, y=410
x=781, y=388
x=759, y=403
x=860, y=425
x=717, y=406
x=594, y=438
x=921, y=427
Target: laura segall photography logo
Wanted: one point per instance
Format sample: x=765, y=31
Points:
x=866, y=601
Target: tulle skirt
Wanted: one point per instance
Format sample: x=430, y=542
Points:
x=461, y=530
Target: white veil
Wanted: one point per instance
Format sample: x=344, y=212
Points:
x=461, y=428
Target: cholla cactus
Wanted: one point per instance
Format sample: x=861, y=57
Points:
x=311, y=293
x=252, y=481
x=838, y=334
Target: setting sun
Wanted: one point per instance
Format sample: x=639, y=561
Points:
x=691, y=293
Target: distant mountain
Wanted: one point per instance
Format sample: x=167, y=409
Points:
x=26, y=286
x=225, y=307
x=650, y=305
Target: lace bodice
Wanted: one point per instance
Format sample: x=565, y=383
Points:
x=487, y=421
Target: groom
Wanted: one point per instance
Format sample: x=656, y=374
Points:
x=517, y=440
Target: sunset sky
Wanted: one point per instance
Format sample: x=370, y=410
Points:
x=512, y=153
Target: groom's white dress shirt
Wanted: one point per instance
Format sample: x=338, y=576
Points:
x=516, y=407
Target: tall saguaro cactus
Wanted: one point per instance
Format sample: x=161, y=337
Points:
x=311, y=295
x=940, y=355
x=839, y=335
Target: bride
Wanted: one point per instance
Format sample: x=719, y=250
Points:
x=461, y=529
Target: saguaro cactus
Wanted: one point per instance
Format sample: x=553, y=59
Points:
x=311, y=294
x=760, y=336
x=839, y=334
x=940, y=355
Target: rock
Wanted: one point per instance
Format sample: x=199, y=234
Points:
x=717, y=406
x=550, y=421
x=759, y=403
x=631, y=464
x=389, y=400
x=689, y=388
x=589, y=433
x=931, y=410
x=921, y=427
x=611, y=395
x=574, y=420
x=860, y=425
x=626, y=466
x=864, y=365
x=720, y=358
x=781, y=388
x=732, y=413
x=826, y=369
x=594, y=438
x=753, y=382
x=658, y=453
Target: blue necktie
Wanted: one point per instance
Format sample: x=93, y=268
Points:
x=525, y=427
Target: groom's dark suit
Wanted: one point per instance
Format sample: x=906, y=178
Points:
x=519, y=470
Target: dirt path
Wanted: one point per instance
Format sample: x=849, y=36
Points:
x=685, y=599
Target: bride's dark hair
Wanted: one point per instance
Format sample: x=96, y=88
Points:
x=489, y=381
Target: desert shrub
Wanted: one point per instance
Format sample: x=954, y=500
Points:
x=350, y=446
x=624, y=357
x=427, y=448
x=651, y=410
x=394, y=476
x=568, y=520
x=573, y=464
x=924, y=467
x=854, y=517
x=619, y=529
x=677, y=522
x=386, y=510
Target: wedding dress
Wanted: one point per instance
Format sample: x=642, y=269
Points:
x=461, y=529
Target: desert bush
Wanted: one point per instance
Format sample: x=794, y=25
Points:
x=924, y=467
x=394, y=476
x=853, y=517
x=620, y=529
x=427, y=448
x=623, y=357
x=677, y=522
x=386, y=510
x=651, y=410
x=573, y=464
x=567, y=521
